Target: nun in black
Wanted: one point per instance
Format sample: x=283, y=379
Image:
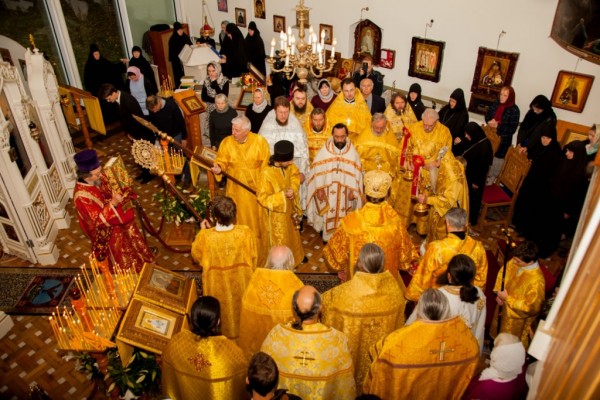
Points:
x=414, y=99
x=532, y=208
x=454, y=115
x=177, y=42
x=255, y=48
x=539, y=117
x=477, y=150
x=138, y=60
x=234, y=53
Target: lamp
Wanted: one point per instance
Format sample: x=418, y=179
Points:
x=301, y=57
x=207, y=29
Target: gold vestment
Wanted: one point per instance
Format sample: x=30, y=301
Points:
x=526, y=291
x=425, y=360
x=244, y=162
x=435, y=263
x=305, y=116
x=428, y=146
x=373, y=223
x=398, y=122
x=266, y=303
x=314, y=363
x=378, y=152
x=366, y=309
x=212, y=368
x=227, y=259
x=316, y=140
x=279, y=225
x=451, y=191
x=356, y=115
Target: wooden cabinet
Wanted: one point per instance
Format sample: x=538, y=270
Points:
x=160, y=51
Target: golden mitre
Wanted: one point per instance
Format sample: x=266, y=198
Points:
x=377, y=183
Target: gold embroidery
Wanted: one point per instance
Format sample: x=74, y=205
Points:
x=270, y=294
x=304, y=357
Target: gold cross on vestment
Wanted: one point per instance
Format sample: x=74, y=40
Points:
x=441, y=351
x=303, y=356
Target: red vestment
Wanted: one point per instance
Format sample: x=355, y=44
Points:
x=100, y=219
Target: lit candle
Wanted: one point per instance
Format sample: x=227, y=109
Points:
x=320, y=55
x=314, y=39
x=281, y=39
x=272, y=47
x=333, y=48
x=289, y=31
x=323, y=38
x=293, y=44
x=287, y=60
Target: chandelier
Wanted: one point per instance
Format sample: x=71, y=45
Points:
x=207, y=29
x=302, y=58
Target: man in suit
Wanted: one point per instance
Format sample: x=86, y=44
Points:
x=376, y=103
x=128, y=107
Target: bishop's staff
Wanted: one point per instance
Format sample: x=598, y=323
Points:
x=510, y=244
x=196, y=158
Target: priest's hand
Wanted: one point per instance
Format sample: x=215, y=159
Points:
x=116, y=199
x=502, y=296
x=422, y=198
x=204, y=224
x=351, y=196
x=289, y=193
x=216, y=169
x=302, y=177
x=457, y=140
x=321, y=194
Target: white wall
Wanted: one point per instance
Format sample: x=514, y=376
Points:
x=464, y=25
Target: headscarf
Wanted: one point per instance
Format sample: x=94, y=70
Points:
x=416, y=88
x=221, y=79
x=252, y=25
x=506, y=360
x=531, y=118
x=446, y=113
x=592, y=148
x=136, y=48
x=325, y=99
x=570, y=172
x=260, y=107
x=510, y=101
x=136, y=71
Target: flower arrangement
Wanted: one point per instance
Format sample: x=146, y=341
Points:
x=175, y=210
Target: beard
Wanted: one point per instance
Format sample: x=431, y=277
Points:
x=318, y=129
x=300, y=110
x=340, y=145
x=282, y=123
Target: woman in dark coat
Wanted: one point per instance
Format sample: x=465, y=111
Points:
x=177, y=42
x=532, y=208
x=138, y=60
x=537, y=119
x=477, y=150
x=255, y=48
x=259, y=109
x=414, y=99
x=325, y=95
x=234, y=53
x=504, y=116
x=454, y=115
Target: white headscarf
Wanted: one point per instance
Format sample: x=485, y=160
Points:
x=506, y=360
x=326, y=99
x=258, y=108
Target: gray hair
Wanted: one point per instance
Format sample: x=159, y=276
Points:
x=378, y=117
x=432, y=306
x=430, y=114
x=243, y=121
x=221, y=96
x=456, y=217
x=280, y=258
x=371, y=259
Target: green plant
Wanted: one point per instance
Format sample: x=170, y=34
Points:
x=140, y=376
x=175, y=210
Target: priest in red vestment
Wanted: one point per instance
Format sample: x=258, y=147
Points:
x=106, y=217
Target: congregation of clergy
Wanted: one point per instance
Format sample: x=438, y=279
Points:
x=334, y=155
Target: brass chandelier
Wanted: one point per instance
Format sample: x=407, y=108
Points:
x=302, y=58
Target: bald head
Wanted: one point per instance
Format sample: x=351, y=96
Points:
x=306, y=304
x=280, y=258
x=430, y=118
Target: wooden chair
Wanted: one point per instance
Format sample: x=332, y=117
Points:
x=504, y=191
x=492, y=136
